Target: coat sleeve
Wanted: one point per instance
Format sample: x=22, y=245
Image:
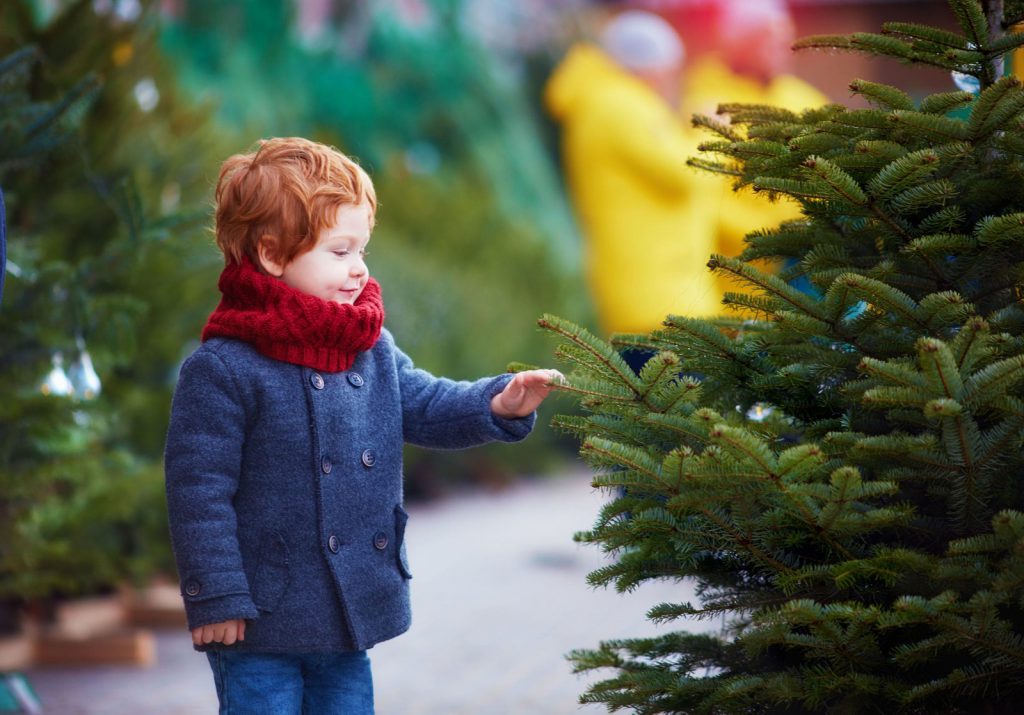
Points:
x=445, y=414
x=202, y=462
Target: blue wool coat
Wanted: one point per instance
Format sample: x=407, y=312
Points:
x=284, y=489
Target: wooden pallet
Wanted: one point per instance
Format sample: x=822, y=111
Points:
x=128, y=646
x=91, y=631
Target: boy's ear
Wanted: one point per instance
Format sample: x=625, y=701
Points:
x=268, y=261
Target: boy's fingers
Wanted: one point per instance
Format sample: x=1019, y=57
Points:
x=553, y=377
x=241, y=629
x=229, y=634
x=197, y=636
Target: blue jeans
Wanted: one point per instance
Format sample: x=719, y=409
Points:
x=292, y=683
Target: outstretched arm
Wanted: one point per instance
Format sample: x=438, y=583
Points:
x=524, y=393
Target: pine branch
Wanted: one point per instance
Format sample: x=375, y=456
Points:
x=726, y=131
x=932, y=127
x=824, y=42
x=816, y=143
x=930, y=193
x=713, y=166
x=968, y=344
x=631, y=458
x=791, y=187
x=804, y=324
x=945, y=220
x=998, y=443
x=769, y=284
x=883, y=96
x=941, y=245
x=940, y=368
x=903, y=448
x=601, y=351
x=994, y=381
x=840, y=185
x=945, y=309
x=993, y=231
x=875, y=44
x=860, y=119
x=708, y=340
x=750, y=150
x=573, y=424
x=882, y=150
x=762, y=307
x=972, y=20
x=598, y=391
x=894, y=397
x=996, y=105
x=929, y=34
x=1008, y=142
x=945, y=102
x=690, y=428
x=583, y=358
x=884, y=296
x=1006, y=44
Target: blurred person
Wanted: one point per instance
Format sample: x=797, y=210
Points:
x=624, y=149
x=284, y=449
x=753, y=65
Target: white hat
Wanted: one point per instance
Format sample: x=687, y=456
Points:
x=640, y=40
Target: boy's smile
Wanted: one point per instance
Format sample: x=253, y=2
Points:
x=335, y=268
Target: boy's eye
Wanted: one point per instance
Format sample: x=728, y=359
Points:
x=341, y=253
x=364, y=253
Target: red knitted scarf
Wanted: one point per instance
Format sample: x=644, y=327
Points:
x=289, y=325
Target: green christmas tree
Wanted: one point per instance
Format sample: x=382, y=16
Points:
x=105, y=175
x=841, y=477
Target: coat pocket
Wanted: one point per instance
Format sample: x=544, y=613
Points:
x=401, y=519
x=270, y=580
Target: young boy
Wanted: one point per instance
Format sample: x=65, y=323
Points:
x=284, y=451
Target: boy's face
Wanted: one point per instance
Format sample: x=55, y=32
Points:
x=335, y=268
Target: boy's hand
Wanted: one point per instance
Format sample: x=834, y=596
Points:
x=524, y=393
x=226, y=632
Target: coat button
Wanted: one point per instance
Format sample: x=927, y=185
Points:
x=317, y=380
x=380, y=540
x=355, y=379
x=333, y=544
x=325, y=465
x=192, y=588
x=369, y=458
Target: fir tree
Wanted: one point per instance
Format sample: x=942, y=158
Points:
x=104, y=172
x=840, y=477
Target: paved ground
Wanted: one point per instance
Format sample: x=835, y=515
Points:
x=499, y=596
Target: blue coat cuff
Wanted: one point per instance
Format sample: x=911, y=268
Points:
x=216, y=597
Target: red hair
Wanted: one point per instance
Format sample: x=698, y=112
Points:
x=285, y=193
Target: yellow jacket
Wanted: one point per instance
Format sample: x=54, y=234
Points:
x=624, y=153
x=735, y=214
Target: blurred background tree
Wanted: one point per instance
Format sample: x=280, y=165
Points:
x=841, y=476
x=106, y=173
